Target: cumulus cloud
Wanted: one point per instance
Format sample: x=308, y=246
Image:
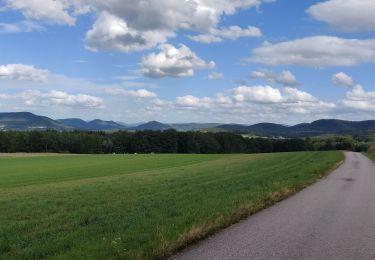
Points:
x=267, y=94
x=346, y=15
x=317, y=51
x=173, y=62
x=249, y=104
x=257, y=101
x=231, y=33
x=216, y=75
x=292, y=95
x=192, y=102
x=359, y=99
x=112, y=33
x=342, y=79
x=36, y=98
x=196, y=15
x=140, y=93
x=257, y=94
x=127, y=25
x=285, y=78
x=262, y=74
x=49, y=10
x=23, y=72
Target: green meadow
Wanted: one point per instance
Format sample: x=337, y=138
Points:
x=138, y=206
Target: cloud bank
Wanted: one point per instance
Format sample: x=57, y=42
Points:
x=316, y=51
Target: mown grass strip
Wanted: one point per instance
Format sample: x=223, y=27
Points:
x=146, y=207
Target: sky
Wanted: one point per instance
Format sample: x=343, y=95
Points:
x=222, y=61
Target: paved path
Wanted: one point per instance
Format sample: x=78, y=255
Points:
x=332, y=219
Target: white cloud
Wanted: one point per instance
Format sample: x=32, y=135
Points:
x=317, y=51
x=128, y=25
x=173, y=62
x=285, y=78
x=231, y=33
x=23, y=26
x=23, y=72
x=262, y=74
x=49, y=10
x=257, y=94
x=192, y=102
x=216, y=75
x=111, y=33
x=140, y=93
x=292, y=95
x=196, y=15
x=346, y=15
x=229, y=7
x=260, y=103
x=342, y=79
x=36, y=98
x=357, y=98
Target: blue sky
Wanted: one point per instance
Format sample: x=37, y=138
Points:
x=226, y=61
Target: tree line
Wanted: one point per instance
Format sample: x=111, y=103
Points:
x=82, y=142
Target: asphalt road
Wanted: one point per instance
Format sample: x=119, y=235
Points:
x=332, y=219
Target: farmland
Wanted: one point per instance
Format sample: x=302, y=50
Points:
x=138, y=206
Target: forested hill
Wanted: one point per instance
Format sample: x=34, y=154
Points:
x=319, y=127
x=26, y=121
x=97, y=124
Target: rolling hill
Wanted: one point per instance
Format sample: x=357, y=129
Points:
x=319, y=127
x=94, y=125
x=153, y=126
x=193, y=126
x=268, y=129
x=333, y=126
x=235, y=128
x=76, y=123
x=25, y=121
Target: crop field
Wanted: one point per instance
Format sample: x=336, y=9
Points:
x=138, y=206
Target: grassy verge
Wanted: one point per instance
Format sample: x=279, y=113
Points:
x=371, y=152
x=138, y=207
x=371, y=156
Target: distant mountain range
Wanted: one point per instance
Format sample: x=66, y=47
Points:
x=319, y=127
x=97, y=124
x=25, y=121
x=29, y=121
x=153, y=126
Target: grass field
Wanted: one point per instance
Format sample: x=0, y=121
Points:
x=371, y=152
x=138, y=206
